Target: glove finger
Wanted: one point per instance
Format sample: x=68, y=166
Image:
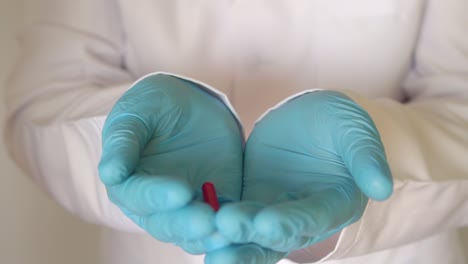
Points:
x=193, y=222
x=291, y=243
x=144, y=194
x=244, y=254
x=284, y=244
x=193, y=247
x=123, y=140
x=311, y=216
x=358, y=142
x=235, y=221
x=201, y=246
x=148, y=106
x=215, y=241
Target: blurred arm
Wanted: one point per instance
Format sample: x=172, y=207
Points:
x=70, y=73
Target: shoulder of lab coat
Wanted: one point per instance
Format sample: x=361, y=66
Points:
x=426, y=143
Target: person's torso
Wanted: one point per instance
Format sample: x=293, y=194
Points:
x=260, y=52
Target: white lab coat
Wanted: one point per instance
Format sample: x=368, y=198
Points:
x=78, y=57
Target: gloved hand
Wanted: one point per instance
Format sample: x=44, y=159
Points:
x=309, y=167
x=162, y=140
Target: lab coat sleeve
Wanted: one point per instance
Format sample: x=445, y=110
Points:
x=426, y=143
x=69, y=74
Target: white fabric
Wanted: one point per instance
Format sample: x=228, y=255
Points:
x=80, y=56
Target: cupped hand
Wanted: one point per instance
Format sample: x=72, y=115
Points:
x=162, y=140
x=310, y=166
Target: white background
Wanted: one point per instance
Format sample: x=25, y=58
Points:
x=34, y=229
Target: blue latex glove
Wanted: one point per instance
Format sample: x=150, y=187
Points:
x=161, y=141
x=309, y=168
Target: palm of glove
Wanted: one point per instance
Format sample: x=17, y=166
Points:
x=309, y=167
x=161, y=141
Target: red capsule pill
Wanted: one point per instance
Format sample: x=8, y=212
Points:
x=209, y=195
